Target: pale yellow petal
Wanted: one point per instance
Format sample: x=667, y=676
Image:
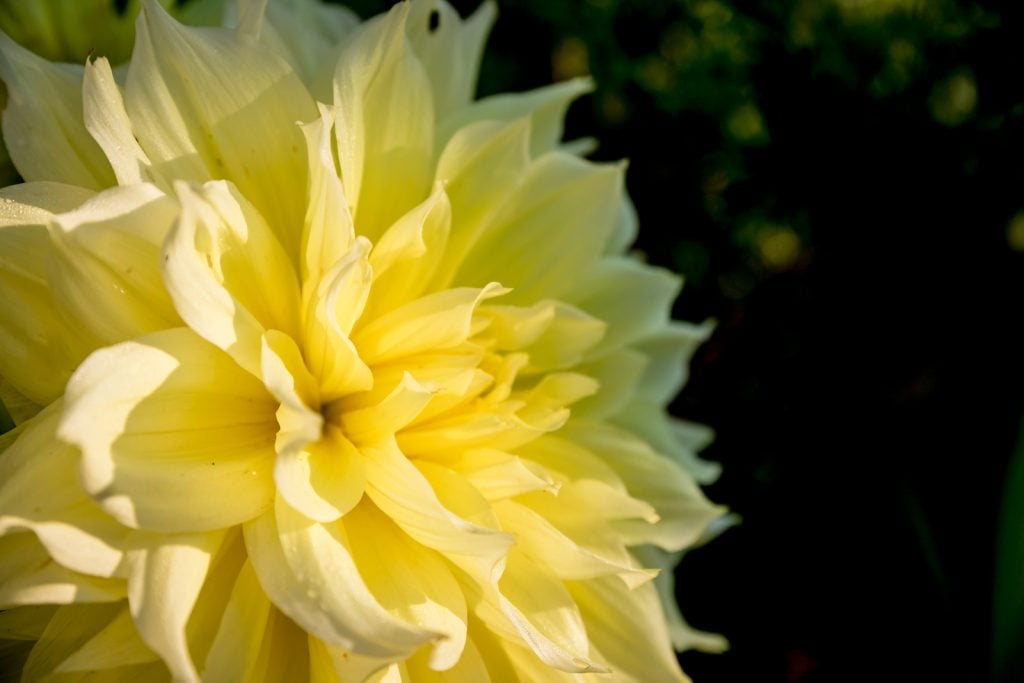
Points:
x=331, y=309
x=668, y=353
x=106, y=119
x=545, y=106
x=105, y=264
x=165, y=579
x=471, y=668
x=650, y=421
x=411, y=581
x=628, y=629
x=234, y=654
x=480, y=166
x=308, y=572
x=42, y=122
x=37, y=352
x=431, y=323
x=545, y=615
x=498, y=475
x=385, y=123
x=403, y=493
x=198, y=116
x=381, y=420
x=71, y=627
x=450, y=49
x=551, y=230
x=309, y=33
x=327, y=233
x=619, y=374
x=633, y=298
x=554, y=334
x=542, y=542
x=684, y=637
x=408, y=254
x=40, y=491
x=28, y=576
x=166, y=425
x=325, y=480
x=651, y=477
x=117, y=645
x=229, y=277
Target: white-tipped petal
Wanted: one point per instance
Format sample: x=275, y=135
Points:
x=166, y=424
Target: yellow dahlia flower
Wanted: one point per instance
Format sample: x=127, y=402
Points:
x=324, y=371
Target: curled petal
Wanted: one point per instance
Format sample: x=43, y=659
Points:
x=308, y=572
x=166, y=425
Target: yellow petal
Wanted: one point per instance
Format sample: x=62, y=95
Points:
x=668, y=353
x=450, y=49
x=480, y=166
x=309, y=33
x=327, y=233
x=198, y=116
x=42, y=122
x=164, y=581
x=106, y=119
x=71, y=627
x=554, y=334
x=410, y=581
x=627, y=628
x=544, y=614
x=407, y=255
x=471, y=668
x=669, y=436
x=329, y=664
x=234, y=654
x=545, y=106
x=542, y=542
x=331, y=309
x=380, y=421
x=105, y=270
x=405, y=495
x=37, y=354
x=551, y=230
x=651, y=477
x=229, y=277
x=308, y=572
x=323, y=481
x=167, y=424
x=433, y=322
x=619, y=375
x=385, y=123
x=117, y=645
x=498, y=475
x=633, y=298
x=74, y=530
x=29, y=577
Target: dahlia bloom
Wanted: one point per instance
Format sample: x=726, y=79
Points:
x=324, y=371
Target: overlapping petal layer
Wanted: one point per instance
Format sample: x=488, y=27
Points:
x=357, y=389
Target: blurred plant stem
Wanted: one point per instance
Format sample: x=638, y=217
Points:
x=1008, y=606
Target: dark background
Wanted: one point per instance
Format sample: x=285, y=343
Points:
x=840, y=181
